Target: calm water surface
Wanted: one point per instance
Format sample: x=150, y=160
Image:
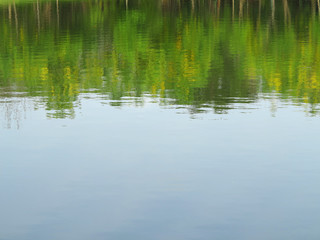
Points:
x=159, y=120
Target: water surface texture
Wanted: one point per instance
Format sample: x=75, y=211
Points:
x=169, y=120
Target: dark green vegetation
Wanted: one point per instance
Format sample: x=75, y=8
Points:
x=195, y=53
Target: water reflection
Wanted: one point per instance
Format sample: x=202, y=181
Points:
x=193, y=54
x=119, y=156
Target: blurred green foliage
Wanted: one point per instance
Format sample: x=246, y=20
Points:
x=194, y=53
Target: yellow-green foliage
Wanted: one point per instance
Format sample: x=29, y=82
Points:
x=195, y=54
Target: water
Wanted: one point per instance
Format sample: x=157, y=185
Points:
x=159, y=120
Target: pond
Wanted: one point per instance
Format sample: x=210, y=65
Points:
x=147, y=119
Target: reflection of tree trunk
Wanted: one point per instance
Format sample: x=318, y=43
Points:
x=273, y=10
x=9, y=12
x=313, y=8
x=287, y=15
x=126, y=4
x=38, y=16
x=15, y=16
x=318, y=7
x=57, y=3
x=241, y=8
x=259, y=11
x=48, y=12
x=232, y=9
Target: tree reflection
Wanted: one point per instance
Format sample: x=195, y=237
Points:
x=199, y=53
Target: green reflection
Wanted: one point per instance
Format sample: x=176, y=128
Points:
x=195, y=53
